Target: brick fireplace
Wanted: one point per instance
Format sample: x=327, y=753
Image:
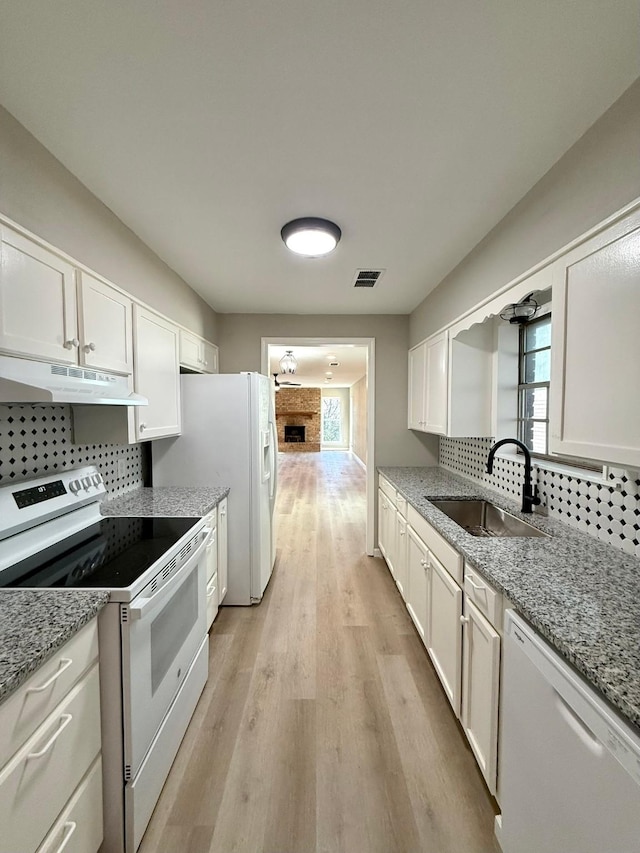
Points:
x=298, y=419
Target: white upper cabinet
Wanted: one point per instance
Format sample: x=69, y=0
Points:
x=197, y=354
x=595, y=404
x=417, y=374
x=106, y=338
x=156, y=375
x=450, y=383
x=436, y=383
x=44, y=315
x=37, y=301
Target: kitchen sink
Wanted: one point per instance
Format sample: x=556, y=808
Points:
x=482, y=518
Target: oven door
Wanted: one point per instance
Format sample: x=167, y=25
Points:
x=161, y=635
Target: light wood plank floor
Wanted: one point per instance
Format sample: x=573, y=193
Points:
x=323, y=727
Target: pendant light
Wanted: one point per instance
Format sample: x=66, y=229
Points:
x=288, y=364
x=311, y=236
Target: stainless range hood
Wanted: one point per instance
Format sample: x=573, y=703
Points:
x=42, y=383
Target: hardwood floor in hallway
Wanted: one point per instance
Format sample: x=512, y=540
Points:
x=323, y=726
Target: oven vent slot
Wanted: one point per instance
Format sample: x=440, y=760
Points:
x=124, y=614
x=127, y=772
x=154, y=585
x=168, y=569
x=187, y=548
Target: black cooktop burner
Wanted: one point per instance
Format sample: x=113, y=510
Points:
x=111, y=554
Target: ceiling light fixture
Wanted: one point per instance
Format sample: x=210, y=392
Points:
x=288, y=364
x=520, y=312
x=310, y=236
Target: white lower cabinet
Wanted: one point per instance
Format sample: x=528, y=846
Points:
x=401, y=561
x=51, y=785
x=458, y=616
x=444, y=630
x=386, y=529
x=417, y=581
x=223, y=550
x=212, y=569
x=480, y=690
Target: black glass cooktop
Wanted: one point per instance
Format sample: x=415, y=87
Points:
x=111, y=554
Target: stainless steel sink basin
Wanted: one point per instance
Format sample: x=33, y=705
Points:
x=482, y=518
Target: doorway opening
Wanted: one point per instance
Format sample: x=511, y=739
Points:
x=328, y=389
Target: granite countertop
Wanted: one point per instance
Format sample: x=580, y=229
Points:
x=166, y=500
x=34, y=624
x=581, y=594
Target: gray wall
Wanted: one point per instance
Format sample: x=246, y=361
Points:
x=597, y=176
x=37, y=192
x=239, y=338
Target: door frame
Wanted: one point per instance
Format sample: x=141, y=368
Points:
x=370, y=344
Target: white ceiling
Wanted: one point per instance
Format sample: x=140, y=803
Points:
x=205, y=126
x=314, y=365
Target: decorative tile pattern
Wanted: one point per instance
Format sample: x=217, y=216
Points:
x=609, y=511
x=38, y=440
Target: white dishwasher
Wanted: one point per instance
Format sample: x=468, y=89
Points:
x=569, y=767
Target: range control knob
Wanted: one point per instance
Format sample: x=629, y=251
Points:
x=96, y=479
x=74, y=486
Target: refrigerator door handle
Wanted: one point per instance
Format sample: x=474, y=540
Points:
x=273, y=452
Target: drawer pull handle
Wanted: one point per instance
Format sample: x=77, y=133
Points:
x=209, y=594
x=66, y=663
x=478, y=586
x=65, y=719
x=69, y=829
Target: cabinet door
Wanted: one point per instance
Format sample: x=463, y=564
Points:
x=400, y=564
x=210, y=357
x=223, y=551
x=436, y=383
x=480, y=690
x=106, y=336
x=417, y=378
x=595, y=407
x=386, y=529
x=156, y=375
x=37, y=301
x=417, y=572
x=190, y=350
x=444, y=630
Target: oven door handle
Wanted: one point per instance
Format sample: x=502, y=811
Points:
x=143, y=606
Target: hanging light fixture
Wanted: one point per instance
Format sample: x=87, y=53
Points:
x=311, y=236
x=521, y=312
x=288, y=364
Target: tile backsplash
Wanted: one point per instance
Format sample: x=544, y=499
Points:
x=609, y=511
x=38, y=440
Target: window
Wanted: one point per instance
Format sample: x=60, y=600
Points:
x=533, y=384
x=331, y=420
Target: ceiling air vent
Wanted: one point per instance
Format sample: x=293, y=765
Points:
x=367, y=278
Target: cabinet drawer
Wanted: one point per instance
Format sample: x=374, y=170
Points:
x=487, y=599
x=212, y=600
x=387, y=488
x=437, y=544
x=401, y=504
x=40, y=778
x=79, y=827
x=32, y=703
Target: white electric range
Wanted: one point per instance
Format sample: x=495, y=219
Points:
x=152, y=633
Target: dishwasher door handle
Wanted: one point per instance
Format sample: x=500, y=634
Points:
x=577, y=725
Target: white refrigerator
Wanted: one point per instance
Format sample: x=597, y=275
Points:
x=229, y=438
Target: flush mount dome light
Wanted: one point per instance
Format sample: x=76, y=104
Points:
x=310, y=236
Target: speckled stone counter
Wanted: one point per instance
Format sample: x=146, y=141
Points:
x=166, y=500
x=34, y=624
x=582, y=595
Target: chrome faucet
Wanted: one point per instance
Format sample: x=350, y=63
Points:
x=529, y=496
